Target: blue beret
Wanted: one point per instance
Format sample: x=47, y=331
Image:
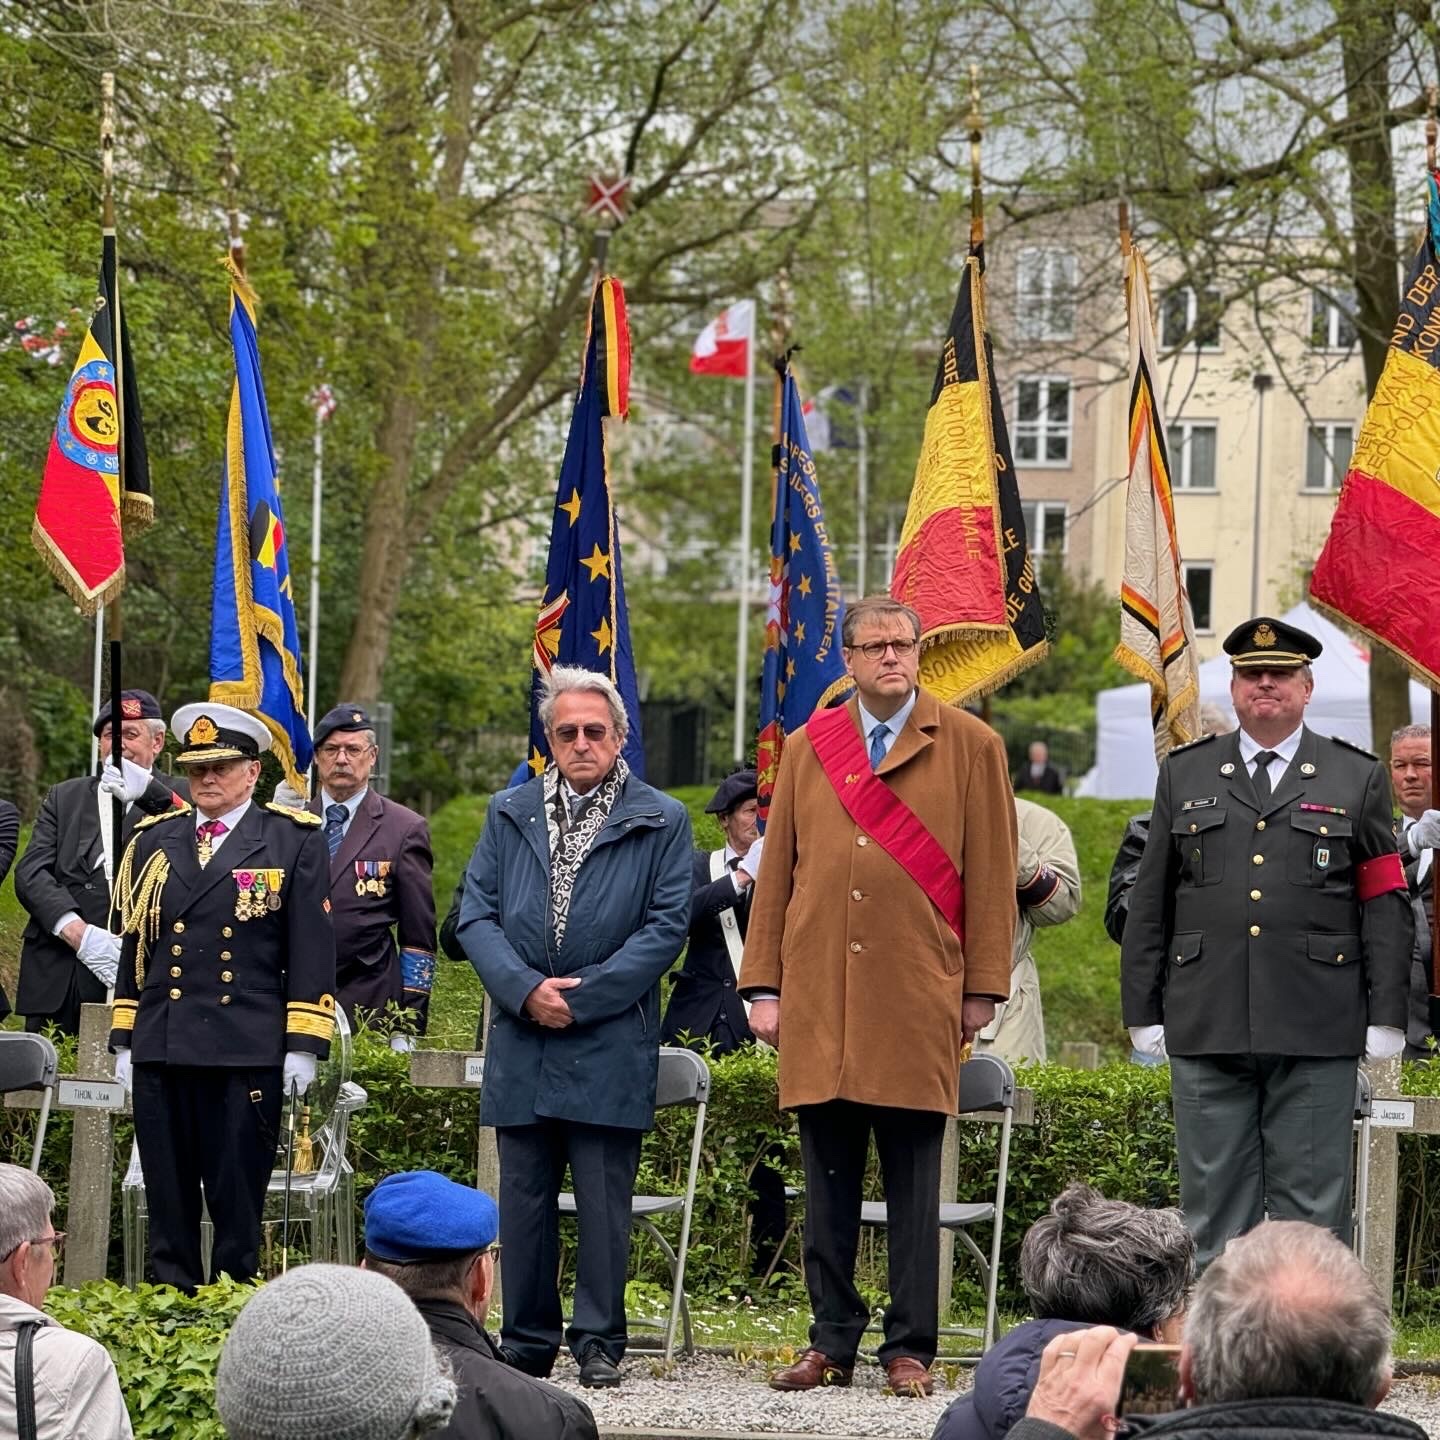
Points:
x=420, y=1215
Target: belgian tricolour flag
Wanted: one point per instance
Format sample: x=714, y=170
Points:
x=97, y=473
x=1377, y=568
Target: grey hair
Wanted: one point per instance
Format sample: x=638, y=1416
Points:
x=572, y=680
x=1288, y=1310
x=1107, y=1262
x=1409, y=732
x=428, y=1279
x=25, y=1205
x=157, y=727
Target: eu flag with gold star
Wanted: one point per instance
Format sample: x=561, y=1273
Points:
x=583, y=620
x=804, y=670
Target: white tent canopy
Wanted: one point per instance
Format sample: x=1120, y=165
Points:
x=1124, y=743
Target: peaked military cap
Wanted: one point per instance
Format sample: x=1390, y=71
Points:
x=209, y=732
x=1267, y=644
x=420, y=1215
x=342, y=717
x=134, y=705
x=733, y=790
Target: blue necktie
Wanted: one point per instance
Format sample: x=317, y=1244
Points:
x=877, y=745
x=335, y=816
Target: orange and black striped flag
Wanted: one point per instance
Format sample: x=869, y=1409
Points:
x=1157, y=634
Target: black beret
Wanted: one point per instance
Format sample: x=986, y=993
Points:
x=134, y=705
x=733, y=790
x=1267, y=644
x=342, y=717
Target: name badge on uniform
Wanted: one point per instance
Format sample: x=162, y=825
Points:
x=372, y=877
x=258, y=892
x=1200, y=804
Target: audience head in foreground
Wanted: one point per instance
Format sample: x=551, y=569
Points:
x=1285, y=1332
x=331, y=1352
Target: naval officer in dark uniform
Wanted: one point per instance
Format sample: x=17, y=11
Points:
x=381, y=882
x=1268, y=948
x=225, y=993
x=703, y=1003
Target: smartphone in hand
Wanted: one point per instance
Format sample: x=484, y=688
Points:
x=1152, y=1381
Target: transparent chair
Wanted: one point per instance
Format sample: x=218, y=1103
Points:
x=28, y=1062
x=322, y=1198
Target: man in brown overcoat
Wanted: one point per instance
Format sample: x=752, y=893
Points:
x=857, y=972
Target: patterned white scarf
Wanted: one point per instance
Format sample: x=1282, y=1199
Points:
x=568, y=852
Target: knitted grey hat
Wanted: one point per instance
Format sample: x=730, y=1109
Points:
x=331, y=1352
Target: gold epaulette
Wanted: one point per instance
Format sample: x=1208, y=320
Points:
x=181, y=809
x=300, y=817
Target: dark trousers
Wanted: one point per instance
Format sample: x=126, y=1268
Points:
x=1262, y=1135
x=213, y=1128
x=834, y=1144
x=603, y=1160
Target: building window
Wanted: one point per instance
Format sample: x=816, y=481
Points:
x=1332, y=324
x=1042, y=420
x=1327, y=455
x=1199, y=586
x=1188, y=317
x=1192, y=454
x=1046, y=533
x=1045, y=294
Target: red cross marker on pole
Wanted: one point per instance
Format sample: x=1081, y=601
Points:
x=607, y=197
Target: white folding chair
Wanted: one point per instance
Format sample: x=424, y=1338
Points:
x=1363, y=1110
x=28, y=1062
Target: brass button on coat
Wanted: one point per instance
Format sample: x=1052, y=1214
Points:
x=225, y=955
x=227, y=932
x=175, y=992
x=175, y=972
x=1254, y=894
x=856, y=946
x=224, y=999
x=227, y=976
x=1257, y=859
x=857, y=894
x=862, y=839
x=177, y=949
x=1254, y=929
x=1259, y=824
x=179, y=927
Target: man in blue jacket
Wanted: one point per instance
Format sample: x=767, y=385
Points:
x=576, y=902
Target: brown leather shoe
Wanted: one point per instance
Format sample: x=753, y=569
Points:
x=812, y=1370
x=907, y=1376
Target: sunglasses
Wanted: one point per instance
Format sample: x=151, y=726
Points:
x=568, y=734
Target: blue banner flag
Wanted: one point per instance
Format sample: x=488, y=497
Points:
x=583, y=620
x=254, y=640
x=804, y=670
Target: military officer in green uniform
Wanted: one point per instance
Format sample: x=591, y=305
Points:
x=1268, y=948
x=225, y=997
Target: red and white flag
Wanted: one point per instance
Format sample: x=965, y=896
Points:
x=723, y=346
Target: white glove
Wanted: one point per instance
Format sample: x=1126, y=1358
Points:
x=1149, y=1040
x=1424, y=834
x=402, y=1043
x=129, y=784
x=286, y=794
x=751, y=863
x=1381, y=1041
x=99, y=952
x=122, y=1067
x=299, y=1070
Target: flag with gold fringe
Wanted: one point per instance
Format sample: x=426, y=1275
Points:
x=254, y=638
x=96, y=487
x=583, y=618
x=1157, y=633
x=963, y=564
x=1377, y=568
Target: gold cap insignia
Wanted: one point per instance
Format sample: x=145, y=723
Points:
x=1264, y=637
x=357, y=717
x=203, y=732
x=130, y=708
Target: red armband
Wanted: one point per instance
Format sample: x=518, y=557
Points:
x=1379, y=877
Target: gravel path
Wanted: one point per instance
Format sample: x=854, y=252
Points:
x=714, y=1395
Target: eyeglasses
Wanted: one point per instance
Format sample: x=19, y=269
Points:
x=350, y=752
x=568, y=734
x=875, y=649
x=55, y=1241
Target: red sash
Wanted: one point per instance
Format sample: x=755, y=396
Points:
x=883, y=815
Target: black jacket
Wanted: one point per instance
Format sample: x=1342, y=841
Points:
x=705, y=986
x=497, y=1402
x=1257, y=1420
x=62, y=869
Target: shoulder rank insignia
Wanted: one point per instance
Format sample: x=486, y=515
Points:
x=1190, y=744
x=181, y=809
x=300, y=817
x=1351, y=745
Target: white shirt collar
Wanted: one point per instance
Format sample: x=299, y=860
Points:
x=1250, y=748
x=896, y=722
x=352, y=804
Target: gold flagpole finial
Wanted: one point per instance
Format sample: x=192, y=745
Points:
x=231, y=170
x=976, y=125
x=107, y=148
x=1432, y=101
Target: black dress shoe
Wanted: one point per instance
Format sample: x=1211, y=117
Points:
x=598, y=1370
